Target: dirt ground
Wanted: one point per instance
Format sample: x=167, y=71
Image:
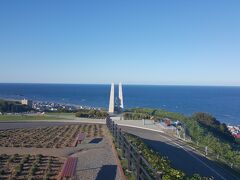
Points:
x=95, y=157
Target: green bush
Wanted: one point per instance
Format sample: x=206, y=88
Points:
x=158, y=162
x=95, y=114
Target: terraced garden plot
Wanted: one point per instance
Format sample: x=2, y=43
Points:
x=24, y=167
x=48, y=137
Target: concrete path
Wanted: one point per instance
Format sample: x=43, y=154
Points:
x=97, y=163
x=139, y=124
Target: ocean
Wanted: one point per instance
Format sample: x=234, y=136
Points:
x=221, y=102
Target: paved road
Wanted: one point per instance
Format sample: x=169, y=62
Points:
x=181, y=156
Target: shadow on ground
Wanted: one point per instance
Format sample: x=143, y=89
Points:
x=96, y=140
x=107, y=172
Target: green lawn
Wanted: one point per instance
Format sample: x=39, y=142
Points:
x=61, y=115
x=27, y=117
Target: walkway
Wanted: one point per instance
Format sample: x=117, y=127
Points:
x=97, y=163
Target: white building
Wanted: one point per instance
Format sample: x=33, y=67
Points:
x=27, y=102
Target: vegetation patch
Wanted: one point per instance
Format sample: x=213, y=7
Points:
x=203, y=129
x=48, y=137
x=27, y=117
x=21, y=167
x=161, y=163
x=129, y=174
x=93, y=113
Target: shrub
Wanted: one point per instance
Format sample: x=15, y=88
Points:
x=158, y=162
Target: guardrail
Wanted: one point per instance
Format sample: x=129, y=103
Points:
x=136, y=162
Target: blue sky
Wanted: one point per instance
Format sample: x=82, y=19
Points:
x=134, y=41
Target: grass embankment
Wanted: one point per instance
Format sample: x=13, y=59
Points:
x=204, y=130
x=9, y=118
x=158, y=162
x=129, y=175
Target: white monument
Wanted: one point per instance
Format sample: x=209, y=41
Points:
x=111, y=100
x=120, y=97
x=116, y=104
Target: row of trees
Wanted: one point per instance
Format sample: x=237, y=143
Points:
x=12, y=106
x=203, y=129
x=93, y=113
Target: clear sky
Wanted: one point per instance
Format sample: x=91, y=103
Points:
x=190, y=42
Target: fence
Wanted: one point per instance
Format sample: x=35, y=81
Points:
x=214, y=156
x=136, y=162
x=207, y=151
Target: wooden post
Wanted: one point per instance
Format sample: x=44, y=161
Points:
x=123, y=145
x=138, y=165
x=129, y=155
x=115, y=132
x=119, y=137
x=159, y=175
x=109, y=124
x=113, y=129
x=112, y=125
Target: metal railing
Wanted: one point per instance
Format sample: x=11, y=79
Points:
x=136, y=162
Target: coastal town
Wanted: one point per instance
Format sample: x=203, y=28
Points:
x=44, y=106
x=31, y=106
x=51, y=106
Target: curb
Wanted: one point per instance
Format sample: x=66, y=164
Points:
x=139, y=127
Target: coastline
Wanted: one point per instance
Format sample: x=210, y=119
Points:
x=186, y=100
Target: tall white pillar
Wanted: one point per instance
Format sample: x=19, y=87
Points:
x=120, y=96
x=111, y=100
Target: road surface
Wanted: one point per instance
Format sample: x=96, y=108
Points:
x=181, y=156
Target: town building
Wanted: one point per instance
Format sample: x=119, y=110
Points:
x=27, y=102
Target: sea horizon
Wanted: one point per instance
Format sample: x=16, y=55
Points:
x=129, y=84
x=220, y=101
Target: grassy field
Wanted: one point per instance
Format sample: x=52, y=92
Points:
x=62, y=115
x=27, y=117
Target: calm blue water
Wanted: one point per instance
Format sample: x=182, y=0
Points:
x=222, y=102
